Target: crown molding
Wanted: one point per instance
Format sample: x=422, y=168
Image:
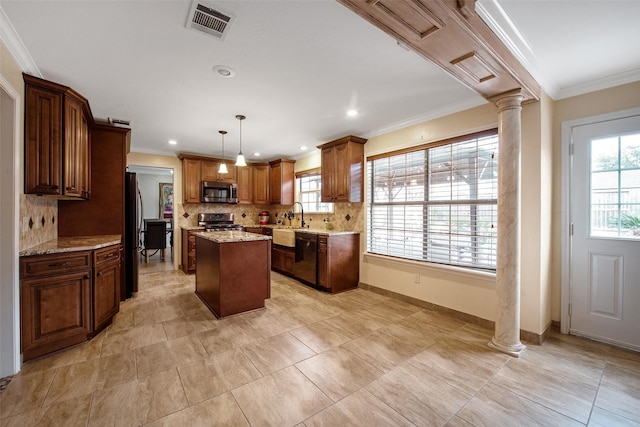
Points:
x=599, y=84
x=18, y=50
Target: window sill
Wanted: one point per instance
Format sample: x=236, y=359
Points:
x=449, y=269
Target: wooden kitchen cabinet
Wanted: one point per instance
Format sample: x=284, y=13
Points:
x=196, y=169
x=281, y=182
x=57, y=140
x=283, y=259
x=261, y=184
x=338, y=264
x=106, y=286
x=109, y=148
x=209, y=171
x=245, y=184
x=55, y=302
x=189, y=251
x=191, y=179
x=342, y=169
x=256, y=230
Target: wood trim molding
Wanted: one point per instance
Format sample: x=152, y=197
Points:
x=451, y=35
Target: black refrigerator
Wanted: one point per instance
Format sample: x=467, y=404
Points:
x=132, y=233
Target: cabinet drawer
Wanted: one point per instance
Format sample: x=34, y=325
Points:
x=104, y=255
x=44, y=265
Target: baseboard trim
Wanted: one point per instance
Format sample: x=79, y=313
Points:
x=529, y=337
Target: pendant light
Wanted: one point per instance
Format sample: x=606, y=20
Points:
x=223, y=166
x=240, y=160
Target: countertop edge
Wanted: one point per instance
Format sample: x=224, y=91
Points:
x=71, y=244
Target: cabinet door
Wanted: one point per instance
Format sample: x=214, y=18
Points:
x=261, y=184
x=76, y=150
x=275, y=184
x=323, y=263
x=55, y=312
x=191, y=180
x=245, y=185
x=209, y=170
x=341, y=173
x=43, y=142
x=106, y=294
x=328, y=174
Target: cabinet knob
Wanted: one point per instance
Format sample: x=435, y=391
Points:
x=99, y=274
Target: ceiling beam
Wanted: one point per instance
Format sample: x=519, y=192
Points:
x=450, y=34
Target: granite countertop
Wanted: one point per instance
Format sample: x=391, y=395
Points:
x=72, y=244
x=231, y=236
x=303, y=230
x=193, y=227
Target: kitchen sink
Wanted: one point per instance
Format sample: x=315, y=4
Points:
x=284, y=237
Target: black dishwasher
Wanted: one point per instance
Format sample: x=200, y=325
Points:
x=306, y=257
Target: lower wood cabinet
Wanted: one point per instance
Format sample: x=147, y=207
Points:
x=65, y=298
x=106, y=287
x=283, y=259
x=189, y=251
x=55, y=302
x=338, y=264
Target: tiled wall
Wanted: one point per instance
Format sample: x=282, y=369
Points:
x=346, y=216
x=38, y=221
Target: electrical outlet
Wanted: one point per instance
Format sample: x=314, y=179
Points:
x=416, y=278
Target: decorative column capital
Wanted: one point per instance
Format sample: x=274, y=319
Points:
x=509, y=100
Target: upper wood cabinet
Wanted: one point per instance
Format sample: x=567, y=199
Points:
x=281, y=182
x=196, y=169
x=56, y=141
x=245, y=184
x=261, y=184
x=343, y=170
x=209, y=171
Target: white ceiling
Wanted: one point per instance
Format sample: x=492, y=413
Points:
x=300, y=65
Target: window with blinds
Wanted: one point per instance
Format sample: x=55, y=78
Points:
x=437, y=203
x=309, y=185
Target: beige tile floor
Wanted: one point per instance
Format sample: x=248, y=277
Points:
x=312, y=359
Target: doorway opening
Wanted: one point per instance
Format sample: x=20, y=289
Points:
x=155, y=203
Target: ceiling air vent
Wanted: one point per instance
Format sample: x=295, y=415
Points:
x=206, y=19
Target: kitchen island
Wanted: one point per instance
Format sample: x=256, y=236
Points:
x=234, y=271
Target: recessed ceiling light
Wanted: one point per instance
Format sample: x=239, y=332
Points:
x=173, y=142
x=224, y=71
x=352, y=113
x=256, y=154
x=303, y=148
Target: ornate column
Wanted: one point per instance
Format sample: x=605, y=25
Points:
x=507, y=331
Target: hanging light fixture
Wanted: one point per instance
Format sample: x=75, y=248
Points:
x=223, y=166
x=240, y=160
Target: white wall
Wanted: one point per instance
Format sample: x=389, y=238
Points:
x=11, y=87
x=149, y=186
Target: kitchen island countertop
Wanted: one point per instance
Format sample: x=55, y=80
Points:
x=72, y=244
x=231, y=236
x=317, y=231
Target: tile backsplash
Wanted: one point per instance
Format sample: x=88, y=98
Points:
x=346, y=216
x=38, y=220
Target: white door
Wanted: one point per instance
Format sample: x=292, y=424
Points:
x=605, y=245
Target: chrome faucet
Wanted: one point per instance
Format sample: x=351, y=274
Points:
x=301, y=213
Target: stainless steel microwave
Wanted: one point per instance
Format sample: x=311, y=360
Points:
x=218, y=192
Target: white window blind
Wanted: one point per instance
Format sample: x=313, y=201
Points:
x=437, y=203
x=309, y=186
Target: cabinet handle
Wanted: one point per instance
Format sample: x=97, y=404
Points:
x=110, y=255
x=59, y=264
x=99, y=274
x=71, y=188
